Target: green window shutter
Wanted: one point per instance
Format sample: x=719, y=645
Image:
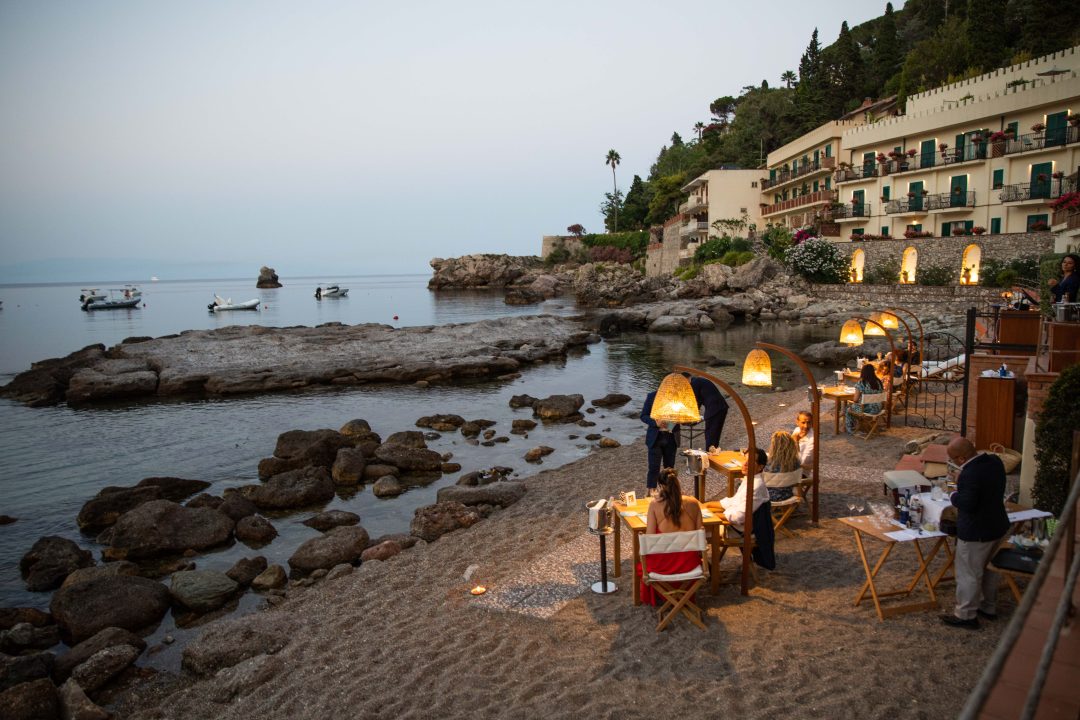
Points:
x=999, y=178
x=772, y=175
x=1041, y=218
x=885, y=193
x=828, y=183
x=946, y=229
x=995, y=226
x=1014, y=127
x=816, y=186
x=828, y=150
x=885, y=231
x=858, y=231
x=917, y=227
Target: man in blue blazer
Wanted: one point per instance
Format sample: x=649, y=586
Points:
x=981, y=522
x=715, y=408
x=661, y=441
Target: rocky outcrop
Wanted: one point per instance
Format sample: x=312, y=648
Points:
x=245, y=570
x=109, y=569
x=339, y=545
x=103, y=666
x=225, y=644
x=219, y=362
x=202, y=590
x=614, y=285
x=481, y=271
x=255, y=530
x=50, y=560
x=293, y=489
x=110, y=503
x=132, y=603
x=161, y=526
x=331, y=519
x=34, y=700
x=80, y=653
x=433, y=521
x=502, y=494
x=267, y=278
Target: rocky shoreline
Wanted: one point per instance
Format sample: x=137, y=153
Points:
x=254, y=359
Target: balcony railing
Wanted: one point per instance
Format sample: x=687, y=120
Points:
x=852, y=210
x=821, y=196
x=692, y=228
x=1038, y=190
x=857, y=172
x=693, y=205
x=951, y=201
x=783, y=176
x=918, y=203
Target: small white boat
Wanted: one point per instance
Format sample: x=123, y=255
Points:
x=153, y=278
x=330, y=291
x=223, y=305
x=90, y=295
x=118, y=299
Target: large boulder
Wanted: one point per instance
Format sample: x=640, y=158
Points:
x=387, y=486
x=339, y=545
x=245, y=570
x=34, y=700
x=108, y=637
x=202, y=590
x=255, y=530
x=25, y=636
x=441, y=423
x=754, y=273
x=409, y=459
x=75, y=705
x=103, y=666
x=612, y=400
x=50, y=560
x=270, y=578
x=355, y=427
x=559, y=407
x=12, y=616
x=267, y=278
x=17, y=669
x=502, y=494
x=300, y=448
x=106, y=508
x=225, y=644
x=407, y=438
x=236, y=506
x=331, y=519
x=433, y=521
x=46, y=381
x=132, y=603
x=173, y=488
x=292, y=489
x=349, y=467
x=161, y=526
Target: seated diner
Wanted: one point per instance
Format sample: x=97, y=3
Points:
x=733, y=509
x=783, y=471
x=669, y=512
x=868, y=384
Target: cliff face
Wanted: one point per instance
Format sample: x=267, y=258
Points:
x=484, y=271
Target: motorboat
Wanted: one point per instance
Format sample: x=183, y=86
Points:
x=153, y=278
x=221, y=304
x=330, y=291
x=90, y=295
x=118, y=299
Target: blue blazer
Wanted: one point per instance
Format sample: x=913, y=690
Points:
x=652, y=433
x=980, y=500
x=708, y=395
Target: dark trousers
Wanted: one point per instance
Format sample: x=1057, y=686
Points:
x=713, y=427
x=662, y=450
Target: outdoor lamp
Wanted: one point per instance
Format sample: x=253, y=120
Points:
x=851, y=333
x=874, y=330
x=888, y=321
x=757, y=369
x=675, y=402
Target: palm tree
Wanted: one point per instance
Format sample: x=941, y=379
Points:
x=788, y=78
x=613, y=160
x=699, y=127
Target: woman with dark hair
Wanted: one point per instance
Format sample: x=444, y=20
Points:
x=1066, y=289
x=670, y=512
x=868, y=384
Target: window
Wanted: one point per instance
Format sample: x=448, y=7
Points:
x=1014, y=127
x=995, y=226
x=742, y=211
x=753, y=183
x=917, y=227
x=885, y=231
x=828, y=150
x=885, y=194
x=1038, y=222
x=858, y=231
x=816, y=186
x=999, y=178
x=828, y=183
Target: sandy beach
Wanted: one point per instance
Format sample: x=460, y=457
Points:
x=405, y=639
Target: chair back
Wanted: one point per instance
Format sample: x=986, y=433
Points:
x=660, y=543
x=876, y=398
x=782, y=479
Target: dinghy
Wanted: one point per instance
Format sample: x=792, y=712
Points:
x=222, y=305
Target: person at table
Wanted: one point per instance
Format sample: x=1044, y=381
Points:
x=868, y=384
x=907, y=359
x=779, y=472
x=714, y=409
x=803, y=435
x=981, y=523
x=733, y=509
x=1068, y=286
x=662, y=440
x=670, y=512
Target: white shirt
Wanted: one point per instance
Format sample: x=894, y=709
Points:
x=806, y=446
x=735, y=506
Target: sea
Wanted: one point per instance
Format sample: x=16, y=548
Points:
x=54, y=459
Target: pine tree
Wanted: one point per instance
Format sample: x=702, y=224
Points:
x=845, y=74
x=635, y=207
x=886, y=58
x=987, y=33
x=810, y=92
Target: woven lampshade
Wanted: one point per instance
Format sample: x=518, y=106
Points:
x=871, y=329
x=890, y=321
x=851, y=333
x=757, y=369
x=675, y=402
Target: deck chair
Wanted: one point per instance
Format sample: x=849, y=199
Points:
x=873, y=419
x=1014, y=564
x=782, y=510
x=678, y=599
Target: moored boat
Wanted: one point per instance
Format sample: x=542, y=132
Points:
x=223, y=305
x=330, y=291
x=117, y=299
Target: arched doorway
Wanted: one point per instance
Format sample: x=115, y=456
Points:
x=907, y=266
x=858, y=262
x=969, y=266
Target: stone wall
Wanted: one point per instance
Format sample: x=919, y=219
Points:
x=550, y=242
x=949, y=251
x=665, y=245
x=960, y=297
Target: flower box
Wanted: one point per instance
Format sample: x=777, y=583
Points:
x=1038, y=127
x=978, y=230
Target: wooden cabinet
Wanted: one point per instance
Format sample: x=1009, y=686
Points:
x=1064, y=342
x=1018, y=327
x=994, y=411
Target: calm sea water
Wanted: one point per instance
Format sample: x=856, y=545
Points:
x=53, y=459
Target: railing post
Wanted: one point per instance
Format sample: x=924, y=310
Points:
x=969, y=346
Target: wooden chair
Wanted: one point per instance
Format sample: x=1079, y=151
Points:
x=1014, y=564
x=784, y=509
x=874, y=419
x=677, y=598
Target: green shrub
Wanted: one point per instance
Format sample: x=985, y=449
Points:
x=884, y=272
x=1019, y=270
x=636, y=241
x=1053, y=441
x=735, y=258
x=712, y=249
x=1006, y=278
x=777, y=240
x=1049, y=267
x=687, y=272
x=935, y=275
x=741, y=245
x=818, y=260
x=558, y=255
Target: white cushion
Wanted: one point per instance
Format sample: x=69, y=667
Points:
x=678, y=577
x=782, y=479
x=899, y=479
x=660, y=543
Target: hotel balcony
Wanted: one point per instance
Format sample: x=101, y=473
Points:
x=694, y=205
x=951, y=202
x=855, y=173
x=693, y=228
x=1032, y=193
x=816, y=198
x=917, y=205
x=822, y=166
x=853, y=212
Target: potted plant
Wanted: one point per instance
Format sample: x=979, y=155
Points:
x=1038, y=127
x=909, y=234
x=1058, y=175
x=997, y=143
x=911, y=194
x=1074, y=120
x=978, y=229
x=957, y=231
x=925, y=193
x=911, y=152
x=1037, y=226
x=856, y=237
x=854, y=275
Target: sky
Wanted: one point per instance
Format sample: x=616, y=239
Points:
x=207, y=137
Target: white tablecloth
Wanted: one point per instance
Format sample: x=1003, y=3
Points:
x=932, y=508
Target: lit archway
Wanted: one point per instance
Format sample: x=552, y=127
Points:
x=969, y=267
x=858, y=263
x=907, y=266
